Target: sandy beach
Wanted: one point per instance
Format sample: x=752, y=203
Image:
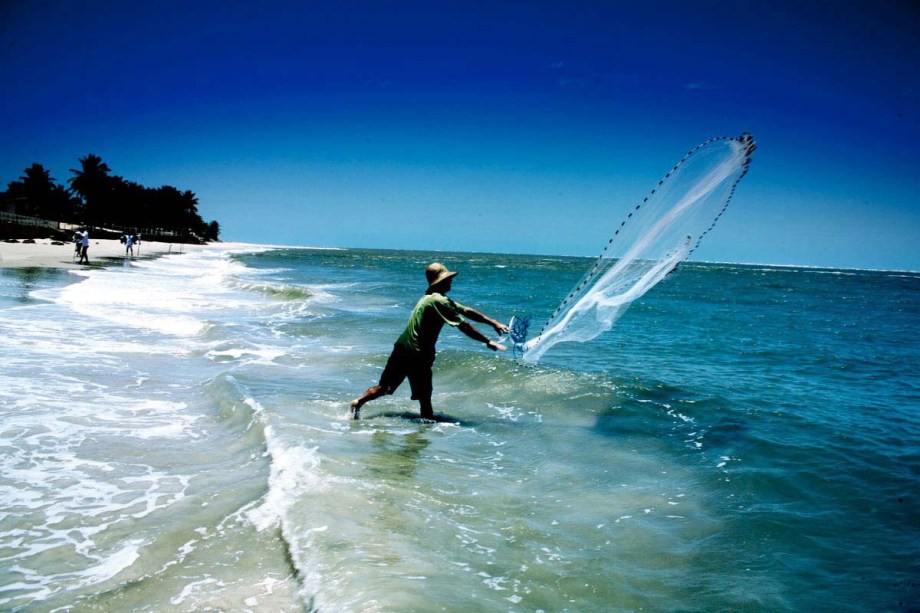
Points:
x=43, y=254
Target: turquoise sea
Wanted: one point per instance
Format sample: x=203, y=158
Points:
x=174, y=437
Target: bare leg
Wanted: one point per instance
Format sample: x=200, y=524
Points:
x=425, y=408
x=370, y=394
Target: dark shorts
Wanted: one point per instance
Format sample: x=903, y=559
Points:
x=404, y=363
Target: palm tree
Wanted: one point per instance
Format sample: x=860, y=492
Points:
x=213, y=231
x=36, y=186
x=93, y=184
x=37, y=175
x=190, y=209
x=37, y=194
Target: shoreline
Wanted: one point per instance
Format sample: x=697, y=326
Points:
x=106, y=252
x=102, y=252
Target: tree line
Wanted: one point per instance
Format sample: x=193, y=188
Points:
x=95, y=197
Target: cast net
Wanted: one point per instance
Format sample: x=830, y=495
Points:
x=656, y=235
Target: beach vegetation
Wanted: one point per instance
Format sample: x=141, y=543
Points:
x=37, y=194
x=100, y=199
x=92, y=182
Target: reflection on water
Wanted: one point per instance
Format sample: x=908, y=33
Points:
x=26, y=280
x=396, y=455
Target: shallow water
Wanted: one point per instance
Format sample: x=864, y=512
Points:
x=175, y=438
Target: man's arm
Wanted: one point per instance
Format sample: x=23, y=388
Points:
x=475, y=315
x=468, y=329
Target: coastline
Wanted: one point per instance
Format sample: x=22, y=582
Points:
x=123, y=385
x=102, y=252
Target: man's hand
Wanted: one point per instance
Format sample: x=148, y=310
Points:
x=496, y=346
x=500, y=328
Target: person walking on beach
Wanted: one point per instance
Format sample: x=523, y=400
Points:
x=84, y=247
x=414, y=351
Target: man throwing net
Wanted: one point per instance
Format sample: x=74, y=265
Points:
x=414, y=351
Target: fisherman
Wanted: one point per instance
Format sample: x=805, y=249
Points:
x=414, y=351
x=84, y=246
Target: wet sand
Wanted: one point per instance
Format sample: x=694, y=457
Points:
x=43, y=254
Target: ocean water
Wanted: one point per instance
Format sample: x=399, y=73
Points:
x=174, y=437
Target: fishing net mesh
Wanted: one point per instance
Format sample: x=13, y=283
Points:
x=657, y=234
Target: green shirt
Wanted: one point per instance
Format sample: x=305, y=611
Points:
x=425, y=323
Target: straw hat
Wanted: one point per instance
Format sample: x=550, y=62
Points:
x=437, y=273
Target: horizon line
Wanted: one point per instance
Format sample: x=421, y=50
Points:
x=589, y=257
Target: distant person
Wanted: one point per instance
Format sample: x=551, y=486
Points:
x=129, y=244
x=84, y=247
x=414, y=351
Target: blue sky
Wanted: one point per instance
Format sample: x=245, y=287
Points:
x=482, y=126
